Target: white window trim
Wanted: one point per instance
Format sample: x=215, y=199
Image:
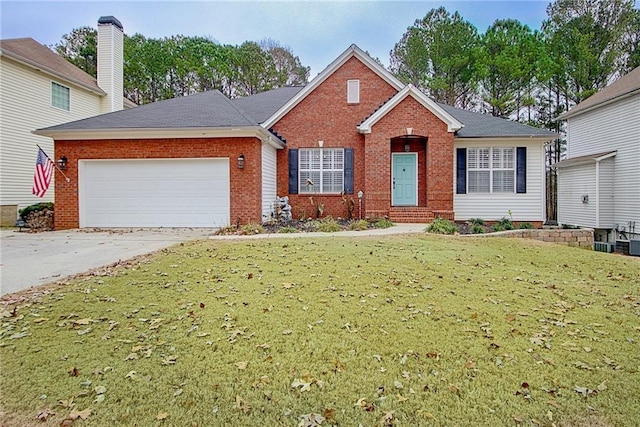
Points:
x=491, y=169
x=317, y=187
x=68, y=94
x=353, y=96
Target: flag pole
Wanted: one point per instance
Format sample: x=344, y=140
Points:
x=54, y=163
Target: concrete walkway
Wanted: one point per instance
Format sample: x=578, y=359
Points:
x=31, y=259
x=396, y=229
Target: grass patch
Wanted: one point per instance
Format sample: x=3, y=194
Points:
x=382, y=223
x=329, y=225
x=358, y=225
x=420, y=330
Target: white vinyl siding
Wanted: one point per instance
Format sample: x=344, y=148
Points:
x=268, y=179
x=353, y=91
x=613, y=127
x=154, y=193
x=25, y=102
x=491, y=170
x=527, y=206
x=321, y=170
x=60, y=96
x=574, y=183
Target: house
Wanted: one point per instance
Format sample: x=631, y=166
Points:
x=206, y=160
x=599, y=182
x=39, y=89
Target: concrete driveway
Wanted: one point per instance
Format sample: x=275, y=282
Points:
x=30, y=259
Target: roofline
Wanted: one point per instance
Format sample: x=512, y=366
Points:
x=162, y=133
x=542, y=138
x=586, y=160
x=352, y=51
x=569, y=114
x=452, y=123
x=49, y=71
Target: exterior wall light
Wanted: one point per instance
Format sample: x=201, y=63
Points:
x=241, y=161
x=62, y=163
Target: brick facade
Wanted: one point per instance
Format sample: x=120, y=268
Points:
x=324, y=115
x=245, y=185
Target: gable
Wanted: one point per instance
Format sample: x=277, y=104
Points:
x=352, y=52
x=410, y=91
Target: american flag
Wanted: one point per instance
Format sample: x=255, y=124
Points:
x=42, y=176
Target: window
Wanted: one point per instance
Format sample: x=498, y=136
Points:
x=59, y=96
x=490, y=170
x=321, y=170
x=353, y=91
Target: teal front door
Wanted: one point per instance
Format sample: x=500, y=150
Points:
x=404, y=179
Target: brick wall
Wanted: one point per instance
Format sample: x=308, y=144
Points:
x=324, y=115
x=436, y=186
x=582, y=238
x=245, y=184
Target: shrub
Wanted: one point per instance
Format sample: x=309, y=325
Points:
x=477, y=221
x=357, y=225
x=526, y=226
x=477, y=229
x=288, y=229
x=504, y=224
x=382, y=223
x=251, y=228
x=25, y=212
x=442, y=226
x=329, y=225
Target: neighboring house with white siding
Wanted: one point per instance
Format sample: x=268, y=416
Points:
x=39, y=88
x=599, y=182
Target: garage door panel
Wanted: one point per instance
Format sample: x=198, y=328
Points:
x=154, y=193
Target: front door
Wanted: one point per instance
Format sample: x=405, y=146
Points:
x=404, y=179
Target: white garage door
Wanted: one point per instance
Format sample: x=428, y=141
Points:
x=154, y=193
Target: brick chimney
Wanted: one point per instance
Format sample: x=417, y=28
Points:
x=110, y=59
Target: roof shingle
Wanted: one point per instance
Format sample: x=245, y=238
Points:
x=202, y=110
x=32, y=53
x=625, y=85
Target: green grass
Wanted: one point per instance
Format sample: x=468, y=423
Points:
x=423, y=330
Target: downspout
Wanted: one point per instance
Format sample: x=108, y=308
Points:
x=597, y=193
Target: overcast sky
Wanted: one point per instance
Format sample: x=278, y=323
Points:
x=316, y=31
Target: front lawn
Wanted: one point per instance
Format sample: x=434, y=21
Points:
x=422, y=330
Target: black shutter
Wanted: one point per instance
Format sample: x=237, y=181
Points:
x=293, y=171
x=348, y=170
x=521, y=170
x=461, y=171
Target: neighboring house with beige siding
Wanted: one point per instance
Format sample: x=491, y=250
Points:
x=599, y=182
x=39, y=88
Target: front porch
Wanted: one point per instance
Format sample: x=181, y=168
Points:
x=410, y=185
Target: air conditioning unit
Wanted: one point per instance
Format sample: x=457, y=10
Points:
x=634, y=247
x=604, y=247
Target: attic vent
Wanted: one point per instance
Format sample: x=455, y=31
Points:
x=353, y=91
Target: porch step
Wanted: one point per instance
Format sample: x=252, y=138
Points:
x=411, y=215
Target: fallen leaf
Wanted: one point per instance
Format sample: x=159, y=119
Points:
x=242, y=365
x=162, y=416
x=311, y=420
x=74, y=415
x=585, y=391
x=302, y=385
x=44, y=414
x=287, y=332
x=401, y=398
x=242, y=405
